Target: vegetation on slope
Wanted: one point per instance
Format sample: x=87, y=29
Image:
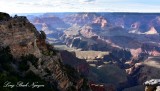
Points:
x=4, y=16
x=9, y=72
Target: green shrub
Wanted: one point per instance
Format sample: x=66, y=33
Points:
x=48, y=71
x=8, y=67
x=5, y=55
x=23, y=66
x=47, y=53
x=31, y=58
x=42, y=35
x=4, y=16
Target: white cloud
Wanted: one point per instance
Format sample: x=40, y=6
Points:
x=86, y=0
x=36, y=6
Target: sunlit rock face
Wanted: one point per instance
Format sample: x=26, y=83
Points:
x=86, y=18
x=125, y=43
x=71, y=59
x=118, y=32
x=27, y=51
x=152, y=85
x=152, y=31
x=149, y=70
x=20, y=35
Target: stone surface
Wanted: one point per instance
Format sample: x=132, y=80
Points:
x=23, y=39
x=152, y=85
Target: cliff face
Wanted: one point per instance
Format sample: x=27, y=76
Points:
x=122, y=31
x=86, y=18
x=79, y=64
x=32, y=53
x=130, y=31
x=128, y=38
x=52, y=22
x=20, y=35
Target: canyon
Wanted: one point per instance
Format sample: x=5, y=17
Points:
x=26, y=56
x=121, y=49
x=84, y=51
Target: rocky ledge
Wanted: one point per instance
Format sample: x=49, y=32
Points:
x=152, y=85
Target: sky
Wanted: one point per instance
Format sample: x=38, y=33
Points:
x=41, y=6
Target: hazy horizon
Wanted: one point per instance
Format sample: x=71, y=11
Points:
x=42, y=6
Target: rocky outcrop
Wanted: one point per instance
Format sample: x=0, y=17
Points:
x=135, y=22
x=51, y=69
x=71, y=59
x=82, y=19
x=151, y=31
x=4, y=16
x=31, y=53
x=109, y=76
x=150, y=69
x=151, y=49
x=51, y=25
x=129, y=38
x=100, y=20
x=120, y=30
x=20, y=35
x=152, y=85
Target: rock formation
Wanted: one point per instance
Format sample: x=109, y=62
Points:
x=31, y=53
x=131, y=41
x=152, y=85
x=86, y=18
